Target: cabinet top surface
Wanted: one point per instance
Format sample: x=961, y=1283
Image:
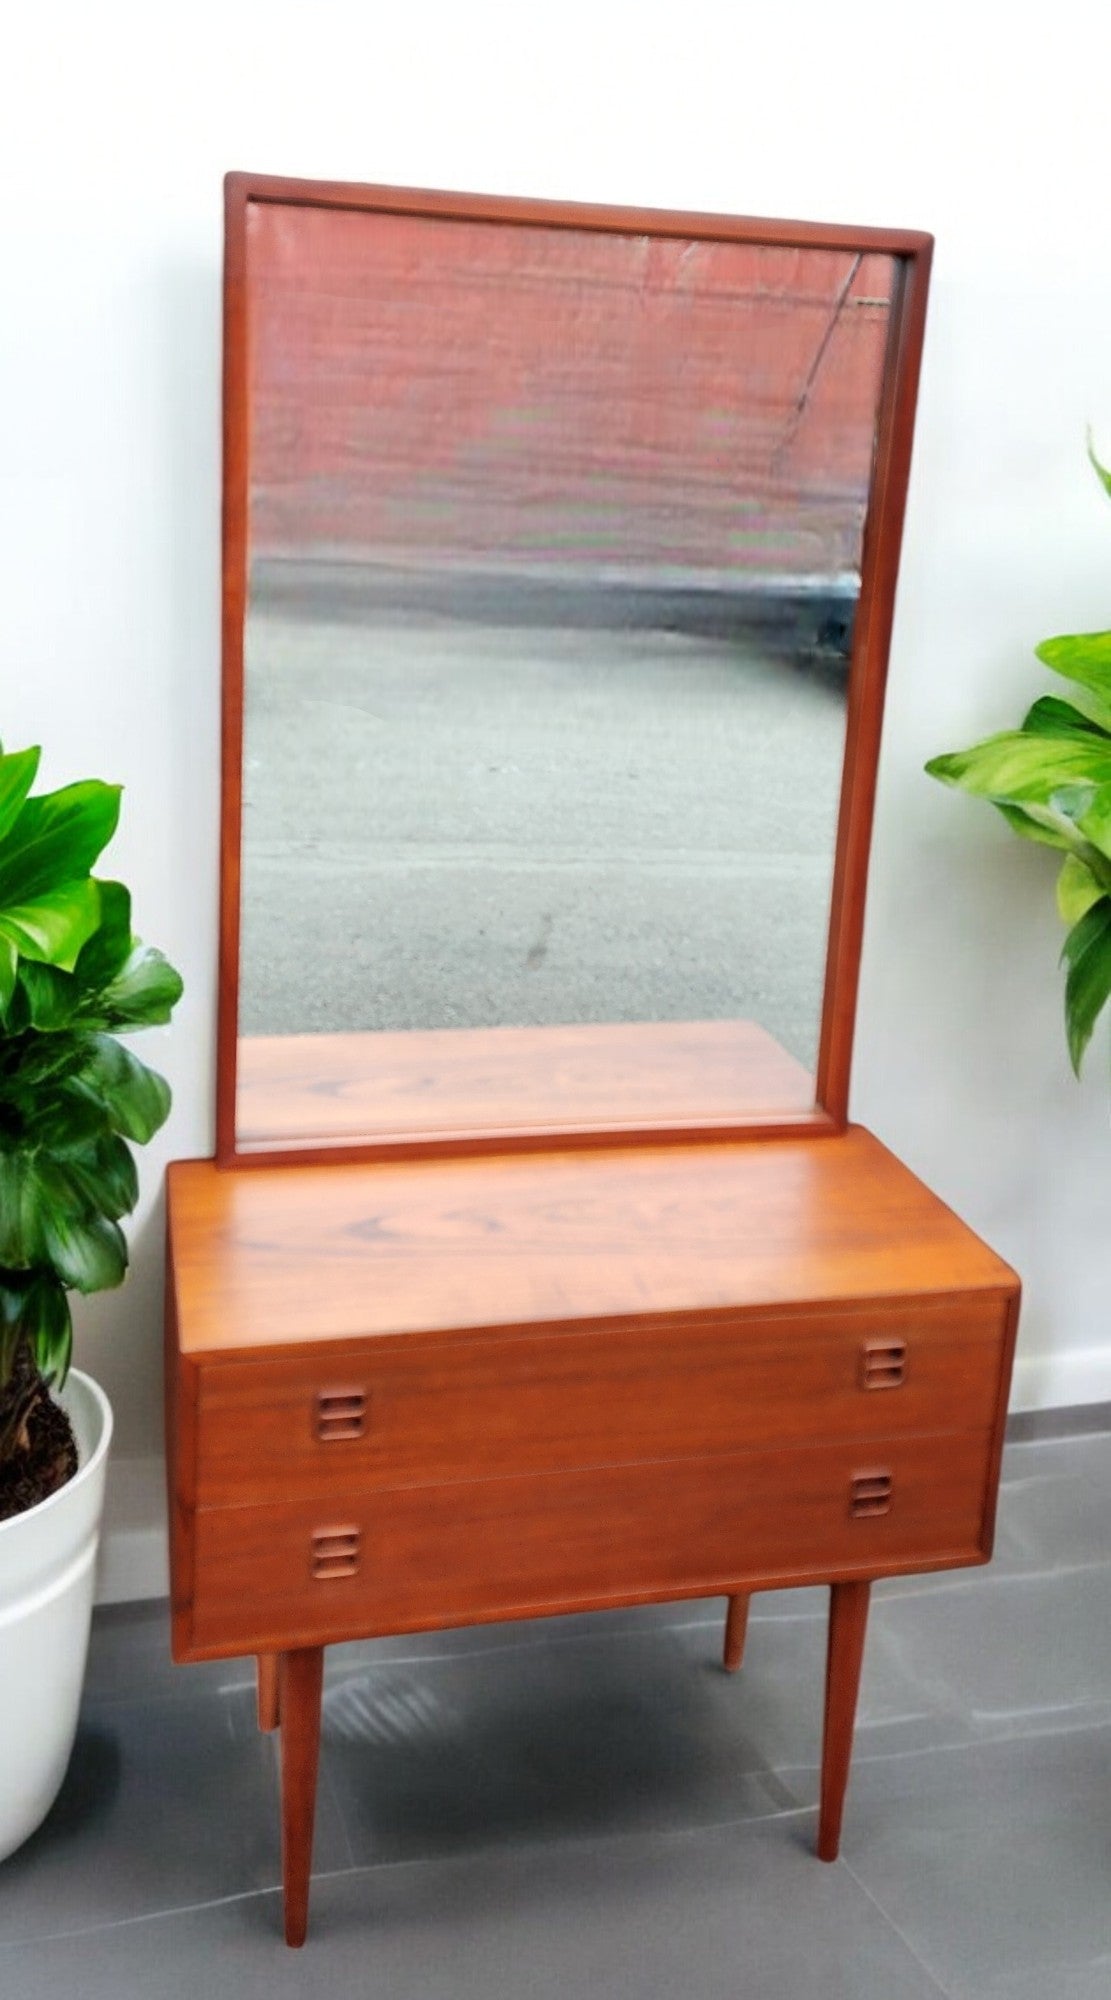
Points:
x=269, y=1257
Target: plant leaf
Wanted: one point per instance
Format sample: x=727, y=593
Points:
x=1050, y=716
x=49, y=997
x=1091, y=812
x=17, y=774
x=56, y=838
x=1077, y=889
x=1023, y=823
x=144, y=992
x=52, y=927
x=136, y=1098
x=100, y=1176
x=9, y=967
x=65, y=1119
x=90, y=1255
x=35, y=1310
x=1102, y=472
x=107, y=949
x=21, y=1243
x=1087, y=953
x=1084, y=657
x=1024, y=770
x=43, y=1058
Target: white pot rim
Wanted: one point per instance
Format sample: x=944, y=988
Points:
x=87, y=1468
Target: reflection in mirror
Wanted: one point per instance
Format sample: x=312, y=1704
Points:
x=554, y=548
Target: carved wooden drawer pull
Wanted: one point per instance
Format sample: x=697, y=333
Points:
x=883, y=1364
x=340, y=1413
x=335, y=1552
x=870, y=1494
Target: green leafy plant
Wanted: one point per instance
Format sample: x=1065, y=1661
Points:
x=72, y=1098
x=1051, y=780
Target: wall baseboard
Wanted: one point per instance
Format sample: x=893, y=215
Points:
x=134, y=1554
x=1062, y=1381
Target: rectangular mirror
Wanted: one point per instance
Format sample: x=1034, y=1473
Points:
x=560, y=551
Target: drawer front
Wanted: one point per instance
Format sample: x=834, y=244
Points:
x=301, y=1572
x=387, y=1414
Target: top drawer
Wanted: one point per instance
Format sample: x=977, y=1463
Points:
x=409, y=1412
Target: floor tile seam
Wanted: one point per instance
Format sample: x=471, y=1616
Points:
x=139, y=1917
x=473, y=1857
x=922, y=1963
x=990, y=1576
x=964, y=1747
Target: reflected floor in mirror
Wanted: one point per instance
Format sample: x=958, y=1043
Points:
x=455, y=823
x=591, y=1806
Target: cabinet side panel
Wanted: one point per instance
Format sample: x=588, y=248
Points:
x=180, y=1385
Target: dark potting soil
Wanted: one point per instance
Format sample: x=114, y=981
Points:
x=33, y=1475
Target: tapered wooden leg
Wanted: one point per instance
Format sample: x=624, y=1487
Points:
x=269, y=1707
x=301, y=1677
x=848, y=1620
x=736, y=1625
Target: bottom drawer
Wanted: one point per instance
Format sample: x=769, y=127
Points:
x=306, y=1572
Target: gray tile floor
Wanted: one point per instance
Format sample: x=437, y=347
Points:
x=590, y=1807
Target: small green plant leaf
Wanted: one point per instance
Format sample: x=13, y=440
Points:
x=17, y=775
x=1077, y=890
x=1101, y=471
x=99, y=1174
x=52, y=927
x=48, y=998
x=1083, y=657
x=56, y=839
x=1024, y=770
x=21, y=1241
x=1087, y=954
x=1050, y=716
x=34, y=1308
x=1046, y=829
x=136, y=1098
x=9, y=967
x=1092, y=815
x=107, y=949
x=49, y=1325
x=144, y=992
x=90, y=1255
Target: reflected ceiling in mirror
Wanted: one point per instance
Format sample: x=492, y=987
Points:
x=545, y=541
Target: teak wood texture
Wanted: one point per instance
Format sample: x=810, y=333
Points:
x=446, y=1089
x=411, y=1396
x=369, y=1126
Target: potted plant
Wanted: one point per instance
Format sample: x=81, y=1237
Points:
x=72, y=979
x=1051, y=780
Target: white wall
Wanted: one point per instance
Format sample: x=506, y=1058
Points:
x=119, y=122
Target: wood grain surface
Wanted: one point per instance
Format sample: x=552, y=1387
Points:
x=298, y=1091
x=250, y=196
x=432, y=1556
x=266, y=1258
x=440, y=1411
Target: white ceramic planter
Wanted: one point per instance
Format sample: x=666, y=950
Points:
x=47, y=1564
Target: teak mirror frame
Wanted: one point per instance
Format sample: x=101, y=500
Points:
x=911, y=253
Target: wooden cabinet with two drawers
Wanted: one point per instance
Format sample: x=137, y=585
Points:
x=411, y=1397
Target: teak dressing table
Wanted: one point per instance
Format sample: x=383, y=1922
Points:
x=468, y=1324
